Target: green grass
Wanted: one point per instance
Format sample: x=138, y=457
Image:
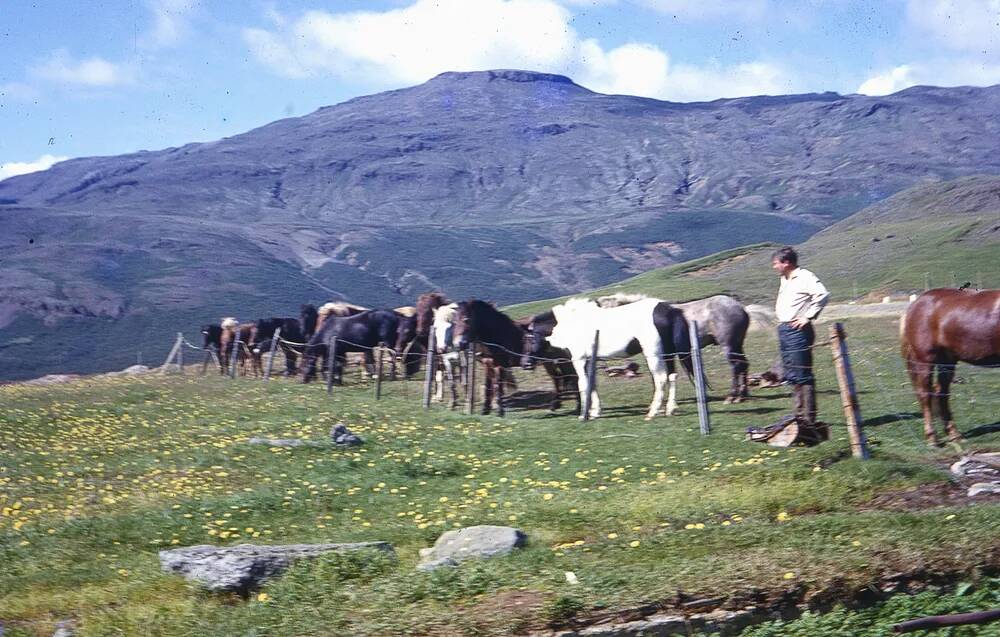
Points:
x=99, y=475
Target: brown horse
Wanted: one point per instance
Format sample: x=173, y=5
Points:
x=940, y=329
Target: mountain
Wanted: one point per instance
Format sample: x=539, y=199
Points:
x=942, y=234
x=507, y=185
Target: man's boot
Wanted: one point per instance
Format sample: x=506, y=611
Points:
x=799, y=397
x=808, y=393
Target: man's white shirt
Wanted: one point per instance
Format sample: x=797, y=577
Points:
x=801, y=294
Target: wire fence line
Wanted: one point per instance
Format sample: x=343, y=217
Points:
x=884, y=390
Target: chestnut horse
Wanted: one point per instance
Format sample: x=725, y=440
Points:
x=940, y=329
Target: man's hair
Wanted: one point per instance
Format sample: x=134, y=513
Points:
x=786, y=254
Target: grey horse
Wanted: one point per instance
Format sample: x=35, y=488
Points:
x=722, y=321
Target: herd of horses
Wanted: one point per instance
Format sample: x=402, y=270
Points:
x=560, y=341
x=940, y=328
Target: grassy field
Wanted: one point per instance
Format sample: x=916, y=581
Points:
x=99, y=475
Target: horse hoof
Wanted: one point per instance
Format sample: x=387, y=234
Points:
x=648, y=418
x=729, y=400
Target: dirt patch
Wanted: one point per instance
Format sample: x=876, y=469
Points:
x=716, y=268
x=925, y=496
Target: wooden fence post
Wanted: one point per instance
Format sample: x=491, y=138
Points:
x=236, y=352
x=270, y=358
x=699, y=379
x=591, y=376
x=470, y=377
x=173, y=352
x=848, y=394
x=378, y=371
x=180, y=352
x=331, y=353
x=429, y=378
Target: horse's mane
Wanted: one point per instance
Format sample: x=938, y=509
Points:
x=229, y=323
x=408, y=311
x=340, y=308
x=445, y=313
x=620, y=298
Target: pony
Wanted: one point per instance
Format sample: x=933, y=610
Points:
x=500, y=341
x=231, y=328
x=356, y=333
x=212, y=340
x=556, y=361
x=941, y=328
x=451, y=360
x=336, y=309
x=308, y=317
x=291, y=330
x=653, y=327
x=722, y=321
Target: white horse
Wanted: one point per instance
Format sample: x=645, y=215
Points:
x=451, y=358
x=653, y=327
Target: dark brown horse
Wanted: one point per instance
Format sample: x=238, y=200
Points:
x=498, y=338
x=940, y=329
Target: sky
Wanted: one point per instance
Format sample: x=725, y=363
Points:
x=105, y=77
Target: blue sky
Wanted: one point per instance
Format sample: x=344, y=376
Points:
x=81, y=78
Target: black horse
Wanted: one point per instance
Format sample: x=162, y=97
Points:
x=308, y=317
x=358, y=333
x=407, y=346
x=291, y=330
x=212, y=341
x=555, y=360
x=501, y=342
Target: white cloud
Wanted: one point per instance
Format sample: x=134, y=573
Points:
x=711, y=9
x=10, y=169
x=964, y=25
x=889, y=82
x=414, y=43
x=952, y=71
x=170, y=22
x=94, y=71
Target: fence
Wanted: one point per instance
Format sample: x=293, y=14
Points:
x=870, y=378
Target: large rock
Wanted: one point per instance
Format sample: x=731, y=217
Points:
x=244, y=567
x=981, y=488
x=474, y=542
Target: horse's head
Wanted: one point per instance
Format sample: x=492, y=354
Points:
x=211, y=335
x=309, y=317
x=444, y=327
x=464, y=331
x=406, y=331
x=536, y=330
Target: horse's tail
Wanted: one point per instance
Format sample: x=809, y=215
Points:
x=904, y=346
x=682, y=345
x=674, y=337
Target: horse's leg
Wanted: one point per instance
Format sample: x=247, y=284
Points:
x=450, y=366
x=671, y=407
x=738, y=363
x=584, y=385
x=657, y=369
x=488, y=381
x=945, y=374
x=921, y=376
x=501, y=379
x=439, y=370
x=571, y=384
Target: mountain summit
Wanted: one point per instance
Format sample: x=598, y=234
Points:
x=502, y=184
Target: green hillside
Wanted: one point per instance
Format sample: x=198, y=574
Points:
x=939, y=234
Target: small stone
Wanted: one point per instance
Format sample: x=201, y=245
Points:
x=277, y=442
x=344, y=437
x=474, y=542
x=981, y=488
x=64, y=629
x=245, y=567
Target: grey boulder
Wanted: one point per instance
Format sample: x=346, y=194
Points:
x=474, y=542
x=244, y=567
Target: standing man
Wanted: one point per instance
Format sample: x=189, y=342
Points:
x=801, y=297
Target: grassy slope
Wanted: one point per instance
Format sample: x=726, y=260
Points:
x=944, y=234
x=100, y=475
